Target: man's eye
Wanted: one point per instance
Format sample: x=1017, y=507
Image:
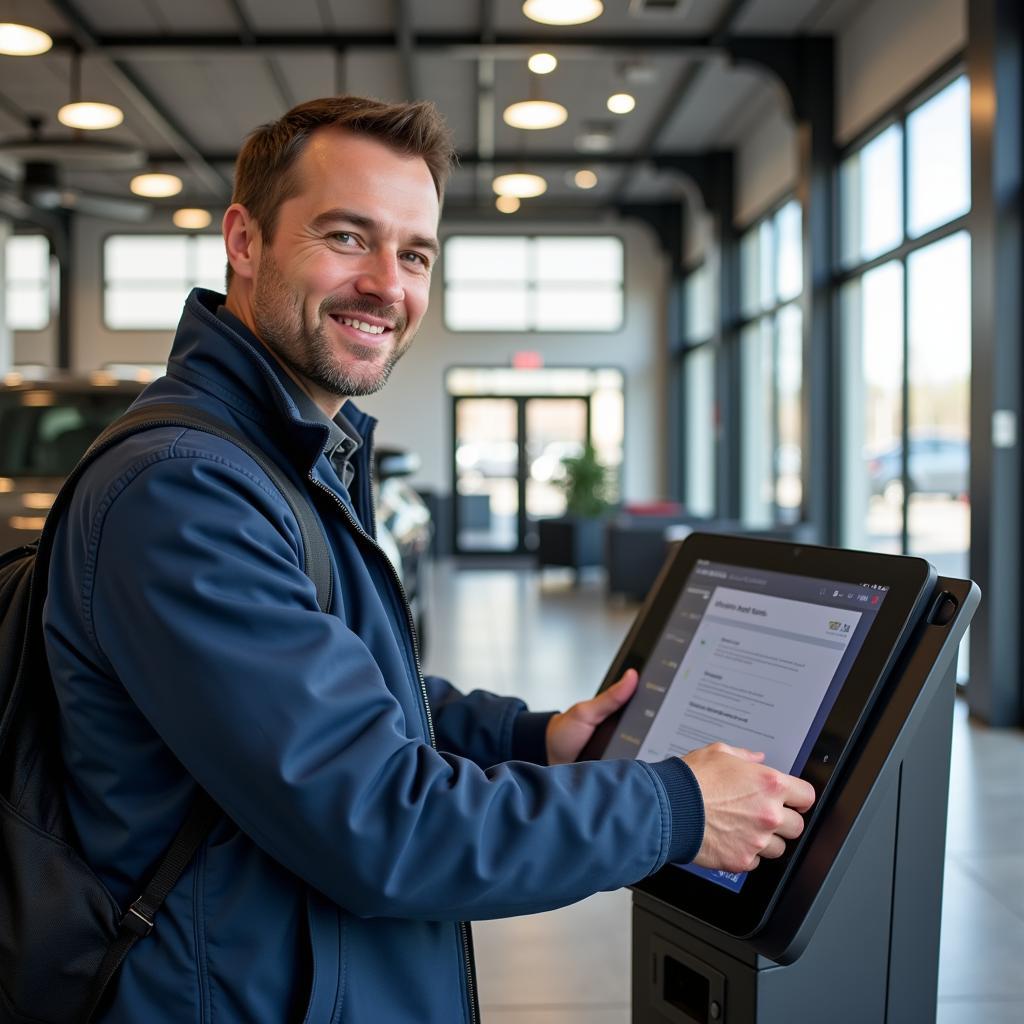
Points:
x=417, y=257
x=344, y=237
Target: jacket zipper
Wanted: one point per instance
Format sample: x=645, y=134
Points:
x=467, y=941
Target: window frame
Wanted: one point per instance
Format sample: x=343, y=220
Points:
x=531, y=282
x=191, y=241
x=768, y=314
x=901, y=253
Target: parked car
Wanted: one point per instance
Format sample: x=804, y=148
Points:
x=937, y=465
x=46, y=426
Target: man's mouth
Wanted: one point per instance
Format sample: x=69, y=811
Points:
x=362, y=326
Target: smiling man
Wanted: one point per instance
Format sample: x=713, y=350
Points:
x=368, y=811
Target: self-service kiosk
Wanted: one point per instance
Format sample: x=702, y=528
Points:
x=853, y=935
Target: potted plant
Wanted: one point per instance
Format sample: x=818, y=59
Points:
x=576, y=539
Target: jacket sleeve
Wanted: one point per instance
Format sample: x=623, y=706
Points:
x=197, y=601
x=484, y=727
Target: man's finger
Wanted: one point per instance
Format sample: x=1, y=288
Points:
x=798, y=794
x=598, y=708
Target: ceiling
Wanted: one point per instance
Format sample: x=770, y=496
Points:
x=194, y=76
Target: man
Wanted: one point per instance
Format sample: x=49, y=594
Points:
x=368, y=812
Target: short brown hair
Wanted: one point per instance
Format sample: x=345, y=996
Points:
x=263, y=172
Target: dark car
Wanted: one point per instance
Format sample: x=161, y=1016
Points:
x=46, y=426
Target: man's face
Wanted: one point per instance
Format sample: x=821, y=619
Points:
x=341, y=290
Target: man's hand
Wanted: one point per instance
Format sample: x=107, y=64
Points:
x=568, y=732
x=750, y=810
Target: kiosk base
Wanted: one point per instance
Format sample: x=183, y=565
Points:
x=874, y=954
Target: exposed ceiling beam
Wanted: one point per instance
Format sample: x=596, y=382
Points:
x=486, y=113
x=143, y=101
x=471, y=159
x=465, y=45
x=246, y=37
x=682, y=89
x=406, y=42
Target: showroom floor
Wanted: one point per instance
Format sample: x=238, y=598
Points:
x=540, y=638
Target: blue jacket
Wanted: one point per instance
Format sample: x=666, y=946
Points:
x=368, y=811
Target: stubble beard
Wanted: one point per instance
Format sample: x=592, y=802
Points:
x=308, y=350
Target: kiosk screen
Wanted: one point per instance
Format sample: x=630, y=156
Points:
x=752, y=658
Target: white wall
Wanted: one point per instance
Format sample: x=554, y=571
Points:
x=413, y=408
x=885, y=49
x=415, y=411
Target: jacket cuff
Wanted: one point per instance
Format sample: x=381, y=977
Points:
x=529, y=736
x=687, y=805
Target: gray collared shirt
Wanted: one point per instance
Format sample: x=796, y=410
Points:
x=343, y=440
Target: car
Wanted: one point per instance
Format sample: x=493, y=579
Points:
x=938, y=464
x=47, y=424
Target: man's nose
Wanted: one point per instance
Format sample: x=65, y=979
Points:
x=381, y=279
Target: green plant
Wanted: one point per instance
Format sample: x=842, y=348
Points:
x=586, y=484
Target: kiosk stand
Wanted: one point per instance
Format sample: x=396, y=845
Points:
x=854, y=936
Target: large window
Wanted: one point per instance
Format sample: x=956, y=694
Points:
x=771, y=368
x=694, y=355
x=545, y=283
x=27, y=272
x=146, y=278
x=905, y=331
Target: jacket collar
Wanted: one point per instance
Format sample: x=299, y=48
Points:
x=239, y=370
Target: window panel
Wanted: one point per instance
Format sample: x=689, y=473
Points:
x=789, y=377
x=483, y=307
x=871, y=315
x=146, y=258
x=211, y=262
x=143, y=308
x=939, y=375
x=700, y=305
x=699, y=388
x=578, y=259
x=756, y=423
x=518, y=283
x=789, y=271
x=483, y=258
x=559, y=307
x=27, y=272
x=750, y=274
x=871, y=198
x=939, y=159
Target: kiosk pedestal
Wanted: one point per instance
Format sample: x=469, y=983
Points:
x=854, y=936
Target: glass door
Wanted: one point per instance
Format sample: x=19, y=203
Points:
x=487, y=472
x=556, y=428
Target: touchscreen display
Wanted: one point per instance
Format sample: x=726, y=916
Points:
x=753, y=658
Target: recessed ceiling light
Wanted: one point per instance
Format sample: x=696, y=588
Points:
x=584, y=179
x=22, y=40
x=507, y=204
x=92, y=117
x=542, y=63
x=156, y=186
x=563, y=12
x=535, y=114
x=523, y=186
x=594, y=139
x=621, y=103
x=191, y=219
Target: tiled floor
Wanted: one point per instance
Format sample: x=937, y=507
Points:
x=540, y=638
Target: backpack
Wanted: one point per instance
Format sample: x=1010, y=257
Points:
x=62, y=935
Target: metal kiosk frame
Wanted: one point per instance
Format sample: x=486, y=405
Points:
x=854, y=936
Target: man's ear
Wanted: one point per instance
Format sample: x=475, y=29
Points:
x=242, y=240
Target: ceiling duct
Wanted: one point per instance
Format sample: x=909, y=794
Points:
x=642, y=8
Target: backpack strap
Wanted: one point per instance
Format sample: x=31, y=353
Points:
x=204, y=813
x=315, y=555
